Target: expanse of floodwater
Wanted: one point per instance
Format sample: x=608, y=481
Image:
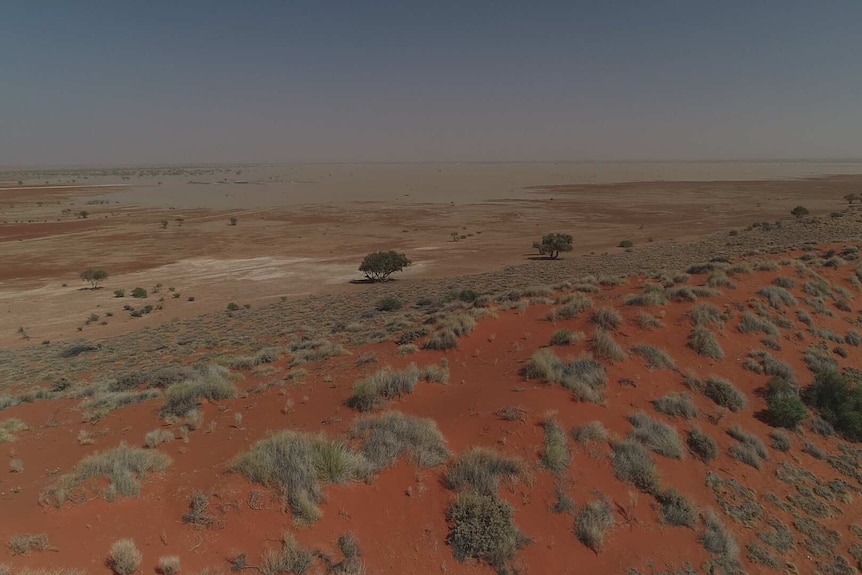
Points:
x=268, y=186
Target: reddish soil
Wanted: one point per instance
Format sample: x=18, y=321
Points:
x=399, y=517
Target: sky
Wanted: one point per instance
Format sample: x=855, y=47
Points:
x=95, y=82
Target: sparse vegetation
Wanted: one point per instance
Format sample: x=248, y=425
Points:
x=387, y=437
x=566, y=337
x=555, y=455
x=657, y=436
x=656, y=358
x=702, y=445
x=592, y=432
x=593, y=522
x=633, y=464
x=209, y=382
x=723, y=393
x=704, y=342
x=24, y=543
x=676, y=509
x=606, y=347
x=124, y=467
x=607, y=318
x=297, y=464
x=479, y=469
x=125, y=558
x=585, y=377
x=676, y=405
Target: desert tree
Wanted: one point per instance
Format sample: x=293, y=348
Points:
x=799, y=212
x=378, y=266
x=552, y=244
x=94, y=277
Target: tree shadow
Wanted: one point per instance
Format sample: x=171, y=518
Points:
x=366, y=281
x=542, y=258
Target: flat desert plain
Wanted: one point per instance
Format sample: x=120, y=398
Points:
x=304, y=229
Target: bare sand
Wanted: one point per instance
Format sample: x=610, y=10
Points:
x=304, y=229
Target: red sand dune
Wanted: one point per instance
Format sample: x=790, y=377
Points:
x=399, y=517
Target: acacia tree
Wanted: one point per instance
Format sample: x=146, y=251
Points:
x=378, y=266
x=552, y=244
x=93, y=277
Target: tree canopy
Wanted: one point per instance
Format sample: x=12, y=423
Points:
x=378, y=266
x=552, y=244
x=799, y=211
x=94, y=277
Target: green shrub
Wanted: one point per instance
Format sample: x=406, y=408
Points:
x=723, y=393
x=139, y=293
x=593, y=522
x=633, y=464
x=838, y=400
x=482, y=528
x=787, y=412
x=387, y=437
x=296, y=464
x=119, y=293
x=124, y=467
x=704, y=343
x=657, y=436
x=378, y=266
x=702, y=445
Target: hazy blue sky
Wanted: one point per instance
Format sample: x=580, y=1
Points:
x=111, y=81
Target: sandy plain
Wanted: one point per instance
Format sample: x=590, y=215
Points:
x=304, y=228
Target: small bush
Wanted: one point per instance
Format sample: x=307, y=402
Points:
x=707, y=315
x=124, y=558
x=480, y=470
x=388, y=436
x=289, y=557
x=607, y=318
x=389, y=303
x=555, y=455
x=584, y=377
x=723, y=393
x=139, y=293
x=372, y=392
x=441, y=340
x=702, y=445
x=169, y=565
x=593, y=522
x=482, y=528
x=839, y=402
x=751, y=323
x=704, y=343
x=119, y=293
x=750, y=440
x=566, y=337
x=780, y=441
x=605, y=346
x=572, y=309
x=778, y=297
x=210, y=382
x=652, y=295
x=24, y=543
x=655, y=357
x=626, y=244
x=813, y=451
x=676, y=405
x=717, y=540
x=124, y=467
x=158, y=436
x=786, y=412
x=676, y=509
x=633, y=464
x=657, y=436
x=649, y=321
x=296, y=464
x=593, y=432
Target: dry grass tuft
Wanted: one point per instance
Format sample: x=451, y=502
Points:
x=386, y=437
x=125, y=558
